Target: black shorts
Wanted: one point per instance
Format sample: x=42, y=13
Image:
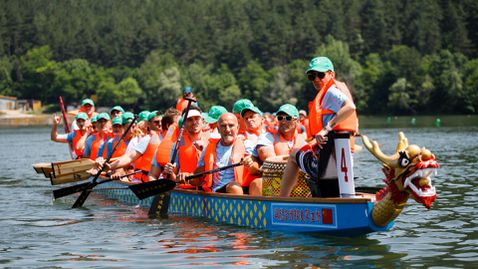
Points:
x=308, y=162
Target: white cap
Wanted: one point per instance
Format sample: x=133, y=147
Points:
x=194, y=113
x=302, y=112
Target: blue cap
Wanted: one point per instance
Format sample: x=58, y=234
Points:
x=187, y=89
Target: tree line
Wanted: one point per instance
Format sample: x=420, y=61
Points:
x=398, y=57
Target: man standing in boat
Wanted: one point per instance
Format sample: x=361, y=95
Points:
x=182, y=103
x=332, y=110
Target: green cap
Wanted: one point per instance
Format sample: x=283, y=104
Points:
x=118, y=108
x=127, y=117
x=214, y=113
x=251, y=108
x=82, y=116
x=143, y=115
x=239, y=105
x=152, y=115
x=320, y=64
x=289, y=110
x=117, y=120
x=103, y=116
x=94, y=118
x=87, y=101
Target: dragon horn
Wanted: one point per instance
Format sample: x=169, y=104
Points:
x=402, y=142
x=374, y=148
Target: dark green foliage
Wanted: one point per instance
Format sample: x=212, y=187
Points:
x=395, y=56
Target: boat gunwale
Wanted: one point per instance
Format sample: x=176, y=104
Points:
x=359, y=199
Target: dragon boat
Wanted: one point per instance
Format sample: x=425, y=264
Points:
x=408, y=173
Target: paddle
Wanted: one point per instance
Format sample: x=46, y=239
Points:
x=150, y=187
x=66, y=127
x=154, y=189
x=86, y=192
x=83, y=186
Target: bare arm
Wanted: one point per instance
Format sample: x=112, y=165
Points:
x=54, y=130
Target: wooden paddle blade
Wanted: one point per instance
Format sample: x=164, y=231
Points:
x=70, y=167
x=70, y=190
x=83, y=196
x=75, y=177
x=148, y=189
x=44, y=168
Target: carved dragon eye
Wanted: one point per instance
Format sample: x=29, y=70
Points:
x=403, y=160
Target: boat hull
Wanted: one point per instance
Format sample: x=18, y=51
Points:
x=337, y=216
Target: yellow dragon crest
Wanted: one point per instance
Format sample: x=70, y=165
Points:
x=408, y=172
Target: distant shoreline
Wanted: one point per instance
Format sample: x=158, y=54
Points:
x=17, y=118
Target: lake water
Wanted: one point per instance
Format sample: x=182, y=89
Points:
x=37, y=232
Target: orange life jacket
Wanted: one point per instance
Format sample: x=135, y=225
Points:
x=163, y=153
x=143, y=163
x=120, y=151
x=181, y=104
x=96, y=144
x=316, y=112
x=281, y=147
x=238, y=152
x=78, y=135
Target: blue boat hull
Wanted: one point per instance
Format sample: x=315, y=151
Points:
x=337, y=216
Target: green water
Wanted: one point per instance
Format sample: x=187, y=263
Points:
x=37, y=232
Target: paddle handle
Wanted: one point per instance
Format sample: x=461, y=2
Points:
x=65, y=118
x=178, y=142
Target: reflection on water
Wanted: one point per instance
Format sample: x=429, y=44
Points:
x=39, y=232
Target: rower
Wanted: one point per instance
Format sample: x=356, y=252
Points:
x=94, y=141
x=211, y=119
x=193, y=142
x=332, y=111
x=221, y=152
x=280, y=142
x=116, y=111
x=74, y=136
x=170, y=135
x=154, y=120
x=141, y=155
x=239, y=105
x=107, y=147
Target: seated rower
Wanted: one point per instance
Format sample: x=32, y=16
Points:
x=280, y=142
x=192, y=143
x=238, y=106
x=75, y=136
x=140, y=155
x=332, y=110
x=221, y=152
x=211, y=119
x=94, y=141
x=169, y=123
x=107, y=147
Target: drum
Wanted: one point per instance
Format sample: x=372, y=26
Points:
x=272, y=171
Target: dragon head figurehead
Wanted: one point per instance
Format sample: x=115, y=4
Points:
x=408, y=171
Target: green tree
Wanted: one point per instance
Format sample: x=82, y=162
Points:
x=6, y=82
x=127, y=92
x=471, y=86
x=34, y=77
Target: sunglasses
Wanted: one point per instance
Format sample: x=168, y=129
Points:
x=313, y=75
x=287, y=118
x=156, y=122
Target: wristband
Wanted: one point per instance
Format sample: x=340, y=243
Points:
x=328, y=128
